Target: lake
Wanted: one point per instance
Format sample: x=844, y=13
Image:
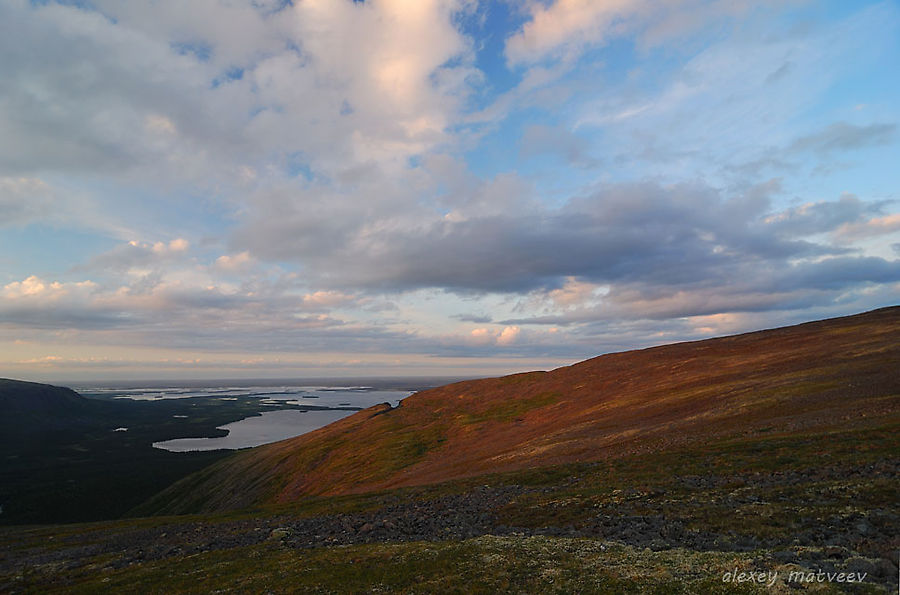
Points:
x=271, y=426
x=288, y=418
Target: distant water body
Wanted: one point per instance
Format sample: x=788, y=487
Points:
x=322, y=396
x=339, y=401
x=271, y=426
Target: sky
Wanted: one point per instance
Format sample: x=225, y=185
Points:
x=277, y=188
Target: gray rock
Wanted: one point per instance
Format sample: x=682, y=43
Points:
x=884, y=568
x=658, y=545
x=785, y=556
x=860, y=565
x=834, y=551
x=280, y=533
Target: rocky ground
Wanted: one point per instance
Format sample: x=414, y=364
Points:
x=653, y=520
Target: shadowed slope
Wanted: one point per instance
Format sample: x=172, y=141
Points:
x=829, y=374
x=20, y=398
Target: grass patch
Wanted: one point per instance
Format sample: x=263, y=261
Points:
x=483, y=565
x=509, y=409
x=723, y=488
x=756, y=487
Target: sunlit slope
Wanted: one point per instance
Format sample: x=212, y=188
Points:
x=830, y=374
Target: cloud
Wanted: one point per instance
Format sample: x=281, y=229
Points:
x=508, y=335
x=176, y=245
x=565, y=28
x=826, y=144
x=77, y=87
x=481, y=336
x=568, y=25
x=123, y=90
x=327, y=299
x=24, y=200
x=34, y=288
x=336, y=176
x=842, y=136
x=822, y=216
x=180, y=311
x=576, y=293
x=35, y=303
x=392, y=96
x=874, y=227
x=136, y=254
x=28, y=200
x=714, y=114
x=488, y=337
x=539, y=139
x=235, y=262
x=476, y=318
x=675, y=235
x=841, y=272
x=803, y=286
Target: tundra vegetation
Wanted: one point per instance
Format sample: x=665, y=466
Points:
x=672, y=469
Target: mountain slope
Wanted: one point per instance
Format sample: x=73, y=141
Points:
x=18, y=397
x=66, y=457
x=837, y=373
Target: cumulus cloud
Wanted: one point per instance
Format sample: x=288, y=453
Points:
x=482, y=336
x=335, y=176
x=182, y=311
x=36, y=289
x=508, y=335
x=126, y=89
x=874, y=227
x=568, y=25
x=327, y=299
x=76, y=88
x=235, y=262
x=35, y=303
x=576, y=293
x=501, y=337
x=137, y=254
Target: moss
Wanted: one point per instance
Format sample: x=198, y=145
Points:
x=731, y=497
x=522, y=378
x=510, y=409
x=483, y=565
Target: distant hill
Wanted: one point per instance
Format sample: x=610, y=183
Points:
x=18, y=398
x=832, y=374
x=63, y=460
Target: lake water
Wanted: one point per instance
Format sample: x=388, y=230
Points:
x=271, y=426
x=331, y=403
x=320, y=396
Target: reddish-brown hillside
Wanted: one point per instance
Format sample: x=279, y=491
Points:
x=843, y=372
